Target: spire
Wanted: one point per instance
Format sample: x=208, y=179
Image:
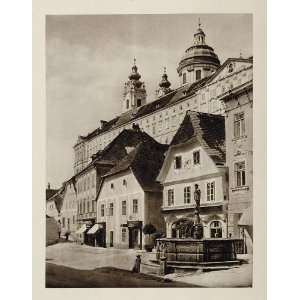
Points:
x=134, y=74
x=199, y=36
x=165, y=83
x=241, y=54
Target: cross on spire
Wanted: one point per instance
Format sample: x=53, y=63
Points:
x=165, y=70
x=134, y=61
x=199, y=23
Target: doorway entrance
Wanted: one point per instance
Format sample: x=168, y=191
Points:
x=133, y=238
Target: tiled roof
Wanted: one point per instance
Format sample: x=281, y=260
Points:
x=208, y=128
x=145, y=161
x=164, y=101
x=50, y=193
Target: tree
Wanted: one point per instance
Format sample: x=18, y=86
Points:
x=149, y=229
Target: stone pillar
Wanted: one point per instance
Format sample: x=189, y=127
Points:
x=163, y=266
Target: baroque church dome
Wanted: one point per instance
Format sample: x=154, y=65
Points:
x=199, y=53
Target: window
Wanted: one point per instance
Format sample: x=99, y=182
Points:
x=84, y=206
x=93, y=180
x=135, y=206
x=111, y=209
x=124, y=182
x=187, y=194
x=63, y=222
x=184, y=78
x=88, y=206
x=139, y=102
x=111, y=185
x=215, y=229
x=198, y=74
x=93, y=206
x=196, y=157
x=230, y=68
x=73, y=219
x=123, y=235
x=210, y=191
x=170, y=197
x=124, y=209
x=239, y=125
x=240, y=173
x=127, y=103
x=102, y=210
x=178, y=162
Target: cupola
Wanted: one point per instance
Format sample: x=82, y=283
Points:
x=164, y=85
x=198, y=61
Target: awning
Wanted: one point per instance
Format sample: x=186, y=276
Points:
x=246, y=218
x=82, y=229
x=94, y=229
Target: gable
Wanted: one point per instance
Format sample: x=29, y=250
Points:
x=230, y=67
x=188, y=169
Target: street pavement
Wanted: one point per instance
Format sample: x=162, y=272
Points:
x=88, y=258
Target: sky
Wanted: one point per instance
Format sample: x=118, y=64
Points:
x=89, y=58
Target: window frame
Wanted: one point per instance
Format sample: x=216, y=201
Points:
x=170, y=197
x=211, y=191
x=102, y=210
x=124, y=208
x=239, y=128
x=194, y=153
x=135, y=206
x=176, y=167
x=187, y=194
x=111, y=209
x=242, y=176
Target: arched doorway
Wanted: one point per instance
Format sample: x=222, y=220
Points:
x=215, y=229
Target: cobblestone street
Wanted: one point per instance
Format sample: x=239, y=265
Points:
x=82, y=257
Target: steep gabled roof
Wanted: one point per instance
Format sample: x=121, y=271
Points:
x=209, y=129
x=145, y=161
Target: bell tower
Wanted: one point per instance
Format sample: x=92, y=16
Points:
x=164, y=85
x=134, y=95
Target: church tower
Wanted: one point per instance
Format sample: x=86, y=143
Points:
x=164, y=85
x=134, y=94
x=198, y=61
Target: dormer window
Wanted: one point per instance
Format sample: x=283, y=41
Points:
x=124, y=182
x=196, y=157
x=112, y=186
x=230, y=68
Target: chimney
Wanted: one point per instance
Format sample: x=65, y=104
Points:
x=102, y=123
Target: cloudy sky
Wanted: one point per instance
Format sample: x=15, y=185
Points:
x=90, y=57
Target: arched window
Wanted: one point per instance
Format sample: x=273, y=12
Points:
x=215, y=229
x=184, y=78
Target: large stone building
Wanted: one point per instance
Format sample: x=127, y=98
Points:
x=203, y=81
x=196, y=160
x=239, y=153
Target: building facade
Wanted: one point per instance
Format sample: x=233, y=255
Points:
x=196, y=161
x=239, y=146
x=130, y=197
x=205, y=82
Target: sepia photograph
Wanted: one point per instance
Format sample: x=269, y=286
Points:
x=149, y=151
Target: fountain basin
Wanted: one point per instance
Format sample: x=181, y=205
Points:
x=191, y=250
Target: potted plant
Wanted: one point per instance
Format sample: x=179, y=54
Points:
x=149, y=229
